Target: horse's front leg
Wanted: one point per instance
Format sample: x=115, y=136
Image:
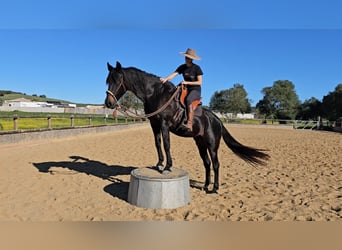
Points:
x=203, y=150
x=157, y=141
x=166, y=141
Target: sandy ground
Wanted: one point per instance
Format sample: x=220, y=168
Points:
x=86, y=178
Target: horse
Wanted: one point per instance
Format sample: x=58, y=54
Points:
x=166, y=114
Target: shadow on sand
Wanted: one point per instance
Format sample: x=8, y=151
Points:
x=118, y=188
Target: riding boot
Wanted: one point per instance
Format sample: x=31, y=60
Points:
x=190, y=117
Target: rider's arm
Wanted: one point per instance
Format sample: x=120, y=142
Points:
x=169, y=77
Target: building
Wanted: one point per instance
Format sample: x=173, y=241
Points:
x=20, y=102
x=27, y=103
x=237, y=116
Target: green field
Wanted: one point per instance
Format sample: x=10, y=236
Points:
x=37, y=121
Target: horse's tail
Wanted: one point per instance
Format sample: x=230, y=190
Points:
x=251, y=155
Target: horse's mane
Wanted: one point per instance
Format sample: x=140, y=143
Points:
x=152, y=76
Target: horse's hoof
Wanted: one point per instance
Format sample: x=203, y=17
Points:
x=214, y=191
x=207, y=191
x=166, y=171
x=159, y=168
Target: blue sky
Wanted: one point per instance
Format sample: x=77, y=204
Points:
x=60, y=48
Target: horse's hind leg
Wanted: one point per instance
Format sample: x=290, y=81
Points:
x=202, y=148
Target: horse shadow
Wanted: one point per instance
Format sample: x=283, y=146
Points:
x=118, y=188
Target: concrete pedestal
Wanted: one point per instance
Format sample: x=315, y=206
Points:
x=150, y=189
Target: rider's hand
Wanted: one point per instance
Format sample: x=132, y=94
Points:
x=163, y=80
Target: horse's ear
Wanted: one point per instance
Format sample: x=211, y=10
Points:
x=110, y=67
x=118, y=66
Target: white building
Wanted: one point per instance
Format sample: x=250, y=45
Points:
x=238, y=115
x=245, y=116
x=20, y=102
x=27, y=103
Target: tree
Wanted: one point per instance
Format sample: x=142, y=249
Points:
x=310, y=109
x=130, y=101
x=218, y=101
x=280, y=101
x=266, y=106
x=231, y=100
x=332, y=104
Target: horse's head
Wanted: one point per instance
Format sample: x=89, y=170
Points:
x=116, y=85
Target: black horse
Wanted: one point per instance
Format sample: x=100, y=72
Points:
x=207, y=127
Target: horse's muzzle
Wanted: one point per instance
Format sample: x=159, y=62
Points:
x=111, y=101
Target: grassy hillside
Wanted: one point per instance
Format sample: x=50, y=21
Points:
x=10, y=95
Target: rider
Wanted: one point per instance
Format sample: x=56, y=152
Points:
x=192, y=74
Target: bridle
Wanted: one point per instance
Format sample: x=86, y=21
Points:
x=121, y=84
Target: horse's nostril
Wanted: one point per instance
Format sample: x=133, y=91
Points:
x=108, y=104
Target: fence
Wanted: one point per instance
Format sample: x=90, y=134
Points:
x=295, y=124
x=24, y=123
x=259, y=121
x=306, y=124
x=30, y=122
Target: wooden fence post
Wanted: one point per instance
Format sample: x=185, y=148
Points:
x=72, y=121
x=15, y=122
x=115, y=115
x=49, y=121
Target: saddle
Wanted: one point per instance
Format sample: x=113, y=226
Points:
x=182, y=96
x=180, y=114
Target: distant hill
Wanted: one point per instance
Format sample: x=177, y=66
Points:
x=10, y=95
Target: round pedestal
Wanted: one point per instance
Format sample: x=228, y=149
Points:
x=150, y=189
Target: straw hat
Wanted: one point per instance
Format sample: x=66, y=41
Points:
x=191, y=54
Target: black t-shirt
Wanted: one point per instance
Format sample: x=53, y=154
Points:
x=190, y=74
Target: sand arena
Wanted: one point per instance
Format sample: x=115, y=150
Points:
x=86, y=178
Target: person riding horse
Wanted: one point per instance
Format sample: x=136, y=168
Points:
x=207, y=131
x=192, y=74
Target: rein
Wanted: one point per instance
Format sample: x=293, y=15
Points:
x=161, y=109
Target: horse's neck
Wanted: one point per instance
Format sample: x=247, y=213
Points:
x=135, y=83
x=146, y=87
